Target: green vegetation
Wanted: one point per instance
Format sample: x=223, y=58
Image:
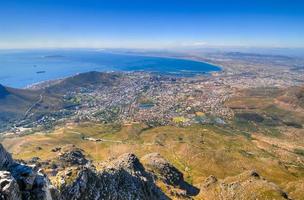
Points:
x=198, y=150
x=299, y=151
x=256, y=137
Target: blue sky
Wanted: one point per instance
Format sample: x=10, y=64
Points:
x=151, y=23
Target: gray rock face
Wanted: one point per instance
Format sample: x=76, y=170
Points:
x=128, y=162
x=123, y=179
x=9, y=189
x=24, y=175
x=21, y=181
x=165, y=170
x=5, y=159
x=169, y=174
x=73, y=157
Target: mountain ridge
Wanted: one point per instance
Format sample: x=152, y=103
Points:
x=3, y=91
x=121, y=178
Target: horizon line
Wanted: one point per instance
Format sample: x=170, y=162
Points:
x=156, y=48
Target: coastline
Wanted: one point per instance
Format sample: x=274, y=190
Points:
x=184, y=57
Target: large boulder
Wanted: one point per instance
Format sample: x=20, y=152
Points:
x=33, y=184
x=169, y=174
x=24, y=175
x=163, y=169
x=128, y=162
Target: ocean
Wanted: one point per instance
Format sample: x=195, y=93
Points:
x=20, y=68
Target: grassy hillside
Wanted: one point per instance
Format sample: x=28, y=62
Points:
x=198, y=151
x=267, y=110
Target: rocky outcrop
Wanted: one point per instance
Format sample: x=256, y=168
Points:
x=167, y=173
x=248, y=185
x=33, y=184
x=9, y=188
x=19, y=181
x=73, y=157
x=123, y=179
x=163, y=169
x=126, y=178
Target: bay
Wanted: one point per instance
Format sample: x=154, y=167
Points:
x=20, y=68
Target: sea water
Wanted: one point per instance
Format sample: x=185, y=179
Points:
x=20, y=68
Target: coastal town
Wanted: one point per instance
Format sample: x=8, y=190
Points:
x=232, y=117
x=163, y=99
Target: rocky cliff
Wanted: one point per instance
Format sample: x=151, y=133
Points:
x=122, y=178
x=19, y=181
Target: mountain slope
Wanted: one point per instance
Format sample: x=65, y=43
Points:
x=15, y=102
x=3, y=91
x=83, y=80
x=47, y=99
x=247, y=185
x=18, y=104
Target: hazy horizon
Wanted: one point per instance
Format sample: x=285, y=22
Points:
x=151, y=24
